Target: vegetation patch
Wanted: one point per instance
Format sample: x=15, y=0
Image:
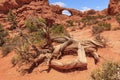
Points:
x=102, y=26
x=12, y=19
x=58, y=30
x=3, y=34
x=110, y=71
x=70, y=23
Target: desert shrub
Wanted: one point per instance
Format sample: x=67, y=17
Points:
x=89, y=20
x=118, y=19
x=106, y=26
x=21, y=46
x=33, y=24
x=92, y=22
x=3, y=34
x=97, y=29
x=58, y=30
x=9, y=45
x=69, y=23
x=109, y=71
x=103, y=41
x=7, y=48
x=101, y=27
x=101, y=16
x=37, y=37
x=116, y=28
x=12, y=18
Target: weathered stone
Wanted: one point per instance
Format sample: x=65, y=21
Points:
x=114, y=7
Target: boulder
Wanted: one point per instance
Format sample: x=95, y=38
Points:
x=114, y=7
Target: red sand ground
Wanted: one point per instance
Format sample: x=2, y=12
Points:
x=7, y=72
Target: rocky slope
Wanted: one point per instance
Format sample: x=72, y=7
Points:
x=114, y=7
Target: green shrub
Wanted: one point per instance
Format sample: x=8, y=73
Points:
x=12, y=18
x=109, y=71
x=33, y=24
x=69, y=23
x=101, y=16
x=7, y=48
x=89, y=20
x=3, y=34
x=106, y=26
x=58, y=30
x=97, y=29
x=37, y=37
x=101, y=27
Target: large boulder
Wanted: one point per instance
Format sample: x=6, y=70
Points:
x=114, y=7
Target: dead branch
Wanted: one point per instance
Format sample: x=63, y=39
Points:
x=80, y=61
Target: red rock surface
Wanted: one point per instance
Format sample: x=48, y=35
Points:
x=114, y=7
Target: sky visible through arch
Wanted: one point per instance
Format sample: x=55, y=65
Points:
x=82, y=4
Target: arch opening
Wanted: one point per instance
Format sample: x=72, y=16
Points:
x=66, y=12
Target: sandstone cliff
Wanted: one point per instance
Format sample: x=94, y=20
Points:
x=114, y=7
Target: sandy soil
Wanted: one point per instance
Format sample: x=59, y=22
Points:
x=7, y=72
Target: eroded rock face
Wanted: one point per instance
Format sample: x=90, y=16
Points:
x=6, y=5
x=114, y=7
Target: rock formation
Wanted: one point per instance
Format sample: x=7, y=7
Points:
x=57, y=9
x=114, y=7
x=6, y=5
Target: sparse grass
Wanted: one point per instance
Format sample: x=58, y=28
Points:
x=110, y=71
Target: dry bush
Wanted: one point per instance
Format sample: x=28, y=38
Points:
x=102, y=26
x=101, y=16
x=12, y=18
x=58, y=30
x=110, y=71
x=3, y=34
x=70, y=23
x=89, y=20
x=32, y=23
x=7, y=48
x=116, y=28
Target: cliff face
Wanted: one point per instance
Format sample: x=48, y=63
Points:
x=114, y=7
